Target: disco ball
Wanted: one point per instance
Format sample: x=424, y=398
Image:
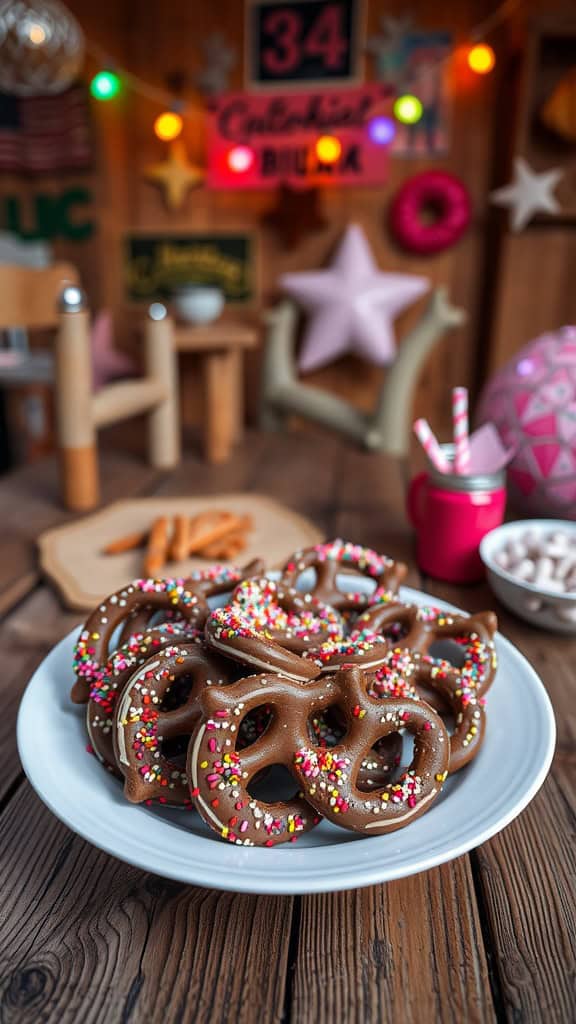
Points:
x=532, y=402
x=41, y=47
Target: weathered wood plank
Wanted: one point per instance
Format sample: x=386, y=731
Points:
x=527, y=880
x=139, y=947
x=409, y=951
x=527, y=874
x=85, y=937
x=30, y=503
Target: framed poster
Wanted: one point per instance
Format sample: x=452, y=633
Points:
x=422, y=59
x=155, y=265
x=300, y=43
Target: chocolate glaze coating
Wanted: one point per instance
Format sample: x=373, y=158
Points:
x=217, y=579
x=330, y=778
x=232, y=634
x=337, y=557
x=119, y=669
x=93, y=647
x=220, y=774
x=140, y=723
x=421, y=627
x=295, y=620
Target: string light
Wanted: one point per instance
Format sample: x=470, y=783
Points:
x=240, y=159
x=381, y=130
x=105, y=85
x=168, y=126
x=481, y=59
x=408, y=109
x=328, y=149
x=36, y=33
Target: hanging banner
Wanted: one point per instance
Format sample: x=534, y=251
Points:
x=259, y=141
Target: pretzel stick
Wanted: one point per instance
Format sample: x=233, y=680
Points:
x=181, y=538
x=226, y=548
x=127, y=543
x=157, y=549
x=205, y=530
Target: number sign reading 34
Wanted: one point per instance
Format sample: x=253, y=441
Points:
x=302, y=41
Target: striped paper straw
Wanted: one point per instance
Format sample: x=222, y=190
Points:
x=460, y=424
x=431, y=446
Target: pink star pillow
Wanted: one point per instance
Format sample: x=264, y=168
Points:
x=108, y=363
x=352, y=305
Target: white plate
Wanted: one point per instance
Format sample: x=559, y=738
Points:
x=476, y=803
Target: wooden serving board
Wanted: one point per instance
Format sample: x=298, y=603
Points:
x=71, y=555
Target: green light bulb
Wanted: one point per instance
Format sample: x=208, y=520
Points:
x=105, y=85
x=408, y=109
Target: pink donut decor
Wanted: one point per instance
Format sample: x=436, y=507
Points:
x=436, y=192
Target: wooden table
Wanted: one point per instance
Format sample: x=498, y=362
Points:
x=221, y=347
x=488, y=937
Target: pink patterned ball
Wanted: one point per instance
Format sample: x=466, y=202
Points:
x=532, y=402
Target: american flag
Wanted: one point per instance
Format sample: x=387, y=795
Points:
x=40, y=134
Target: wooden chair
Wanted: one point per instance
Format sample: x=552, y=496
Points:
x=50, y=298
x=387, y=427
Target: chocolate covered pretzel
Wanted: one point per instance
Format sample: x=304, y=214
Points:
x=109, y=684
x=329, y=778
x=418, y=627
x=336, y=557
x=210, y=582
x=232, y=632
x=92, y=649
x=144, y=720
x=221, y=775
x=405, y=673
x=295, y=620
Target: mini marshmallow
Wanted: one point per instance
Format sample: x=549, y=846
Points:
x=565, y=566
x=561, y=538
x=524, y=570
x=546, y=559
x=516, y=550
x=554, y=550
x=533, y=604
x=544, y=570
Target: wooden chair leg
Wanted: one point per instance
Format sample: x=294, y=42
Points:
x=220, y=388
x=74, y=421
x=237, y=385
x=164, y=420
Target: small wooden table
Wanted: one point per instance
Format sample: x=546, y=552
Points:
x=221, y=346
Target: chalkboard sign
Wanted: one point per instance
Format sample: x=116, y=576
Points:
x=302, y=42
x=156, y=265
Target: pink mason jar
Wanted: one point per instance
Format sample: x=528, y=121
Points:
x=451, y=514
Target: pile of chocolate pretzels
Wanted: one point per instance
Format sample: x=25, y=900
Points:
x=198, y=706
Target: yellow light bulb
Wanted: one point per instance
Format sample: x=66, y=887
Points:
x=481, y=59
x=168, y=126
x=36, y=34
x=328, y=149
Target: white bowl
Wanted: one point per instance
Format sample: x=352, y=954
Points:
x=518, y=595
x=198, y=304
